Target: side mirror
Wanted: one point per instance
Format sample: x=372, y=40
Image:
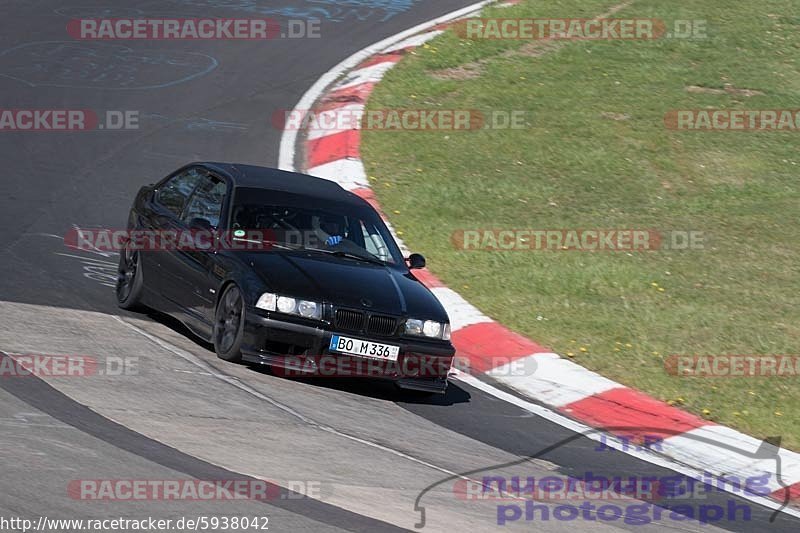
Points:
x=201, y=224
x=416, y=261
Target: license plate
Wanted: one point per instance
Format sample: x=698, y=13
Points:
x=371, y=350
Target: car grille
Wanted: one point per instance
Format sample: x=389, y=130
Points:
x=381, y=325
x=385, y=326
x=351, y=320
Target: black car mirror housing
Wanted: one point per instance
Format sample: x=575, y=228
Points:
x=416, y=261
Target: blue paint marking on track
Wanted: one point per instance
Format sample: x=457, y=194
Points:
x=330, y=10
x=93, y=65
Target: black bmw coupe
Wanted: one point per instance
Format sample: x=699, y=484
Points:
x=286, y=270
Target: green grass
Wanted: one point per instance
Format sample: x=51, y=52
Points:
x=575, y=168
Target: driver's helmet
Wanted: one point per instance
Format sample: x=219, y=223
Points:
x=328, y=226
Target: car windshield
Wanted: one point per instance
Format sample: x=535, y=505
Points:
x=294, y=222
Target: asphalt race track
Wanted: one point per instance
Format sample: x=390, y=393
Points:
x=366, y=450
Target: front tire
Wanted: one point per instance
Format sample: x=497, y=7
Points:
x=129, y=280
x=229, y=325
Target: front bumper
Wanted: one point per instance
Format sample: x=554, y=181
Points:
x=303, y=350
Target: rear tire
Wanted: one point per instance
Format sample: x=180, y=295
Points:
x=229, y=325
x=129, y=280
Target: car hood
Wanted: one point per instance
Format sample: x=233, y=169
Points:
x=346, y=282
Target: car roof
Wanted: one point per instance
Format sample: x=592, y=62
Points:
x=255, y=177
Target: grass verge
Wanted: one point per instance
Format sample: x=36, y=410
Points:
x=596, y=154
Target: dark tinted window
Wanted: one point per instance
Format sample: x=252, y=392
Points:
x=303, y=222
x=174, y=193
x=207, y=201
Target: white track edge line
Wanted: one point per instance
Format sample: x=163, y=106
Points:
x=612, y=442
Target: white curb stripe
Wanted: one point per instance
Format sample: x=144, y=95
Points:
x=719, y=460
x=373, y=73
x=288, y=145
x=579, y=381
x=461, y=312
x=400, y=244
x=695, y=470
x=349, y=114
x=550, y=379
x=349, y=173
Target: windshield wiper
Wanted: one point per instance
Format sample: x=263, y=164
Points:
x=373, y=259
x=275, y=244
x=341, y=253
x=338, y=253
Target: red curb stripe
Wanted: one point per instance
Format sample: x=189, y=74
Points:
x=333, y=147
x=355, y=94
x=793, y=491
x=488, y=345
x=427, y=279
x=423, y=274
x=366, y=194
x=392, y=57
x=333, y=104
x=631, y=408
x=369, y=196
x=616, y=407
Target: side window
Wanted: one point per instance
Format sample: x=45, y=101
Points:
x=207, y=201
x=374, y=243
x=174, y=193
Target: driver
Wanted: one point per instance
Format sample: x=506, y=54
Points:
x=328, y=229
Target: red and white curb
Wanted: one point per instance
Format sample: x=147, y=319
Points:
x=493, y=352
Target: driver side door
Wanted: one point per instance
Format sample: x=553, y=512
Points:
x=201, y=217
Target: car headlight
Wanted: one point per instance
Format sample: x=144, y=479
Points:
x=428, y=328
x=308, y=309
x=267, y=302
x=414, y=327
x=432, y=329
x=289, y=305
